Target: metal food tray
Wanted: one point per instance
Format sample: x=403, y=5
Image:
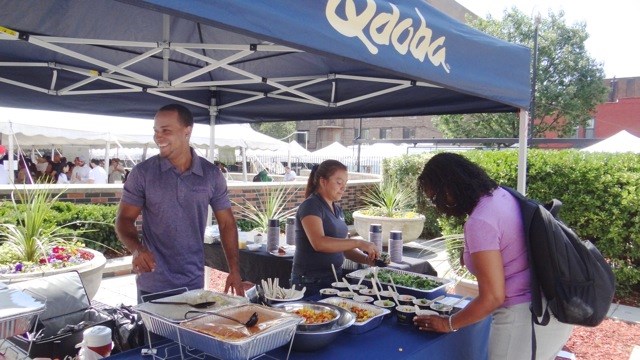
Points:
x=175, y=313
x=428, y=294
x=360, y=327
x=275, y=336
x=17, y=309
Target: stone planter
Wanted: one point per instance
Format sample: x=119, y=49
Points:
x=411, y=227
x=465, y=287
x=90, y=273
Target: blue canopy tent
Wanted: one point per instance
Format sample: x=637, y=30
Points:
x=234, y=61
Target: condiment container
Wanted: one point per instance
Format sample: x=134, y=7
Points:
x=290, y=230
x=375, y=235
x=395, y=246
x=273, y=235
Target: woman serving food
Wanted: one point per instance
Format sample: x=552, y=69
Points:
x=321, y=231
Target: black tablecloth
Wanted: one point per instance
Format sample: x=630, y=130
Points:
x=259, y=265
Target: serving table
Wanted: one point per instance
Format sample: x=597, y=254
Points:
x=388, y=341
x=259, y=265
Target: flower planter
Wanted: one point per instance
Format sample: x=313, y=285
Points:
x=90, y=273
x=465, y=287
x=411, y=227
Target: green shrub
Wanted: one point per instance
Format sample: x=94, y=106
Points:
x=348, y=217
x=97, y=220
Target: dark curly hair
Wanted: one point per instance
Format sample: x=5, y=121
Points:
x=454, y=183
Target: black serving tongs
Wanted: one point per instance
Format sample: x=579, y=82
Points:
x=253, y=319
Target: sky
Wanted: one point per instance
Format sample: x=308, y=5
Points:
x=611, y=25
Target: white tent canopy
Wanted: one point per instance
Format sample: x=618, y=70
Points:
x=623, y=141
x=49, y=129
x=334, y=150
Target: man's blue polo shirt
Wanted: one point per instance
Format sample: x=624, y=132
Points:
x=174, y=213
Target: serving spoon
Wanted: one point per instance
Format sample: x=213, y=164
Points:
x=200, y=305
x=253, y=319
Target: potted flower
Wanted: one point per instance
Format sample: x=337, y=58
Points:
x=389, y=204
x=34, y=247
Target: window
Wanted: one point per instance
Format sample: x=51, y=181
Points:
x=385, y=133
x=589, y=129
x=365, y=134
x=408, y=133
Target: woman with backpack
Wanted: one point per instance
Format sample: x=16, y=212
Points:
x=495, y=252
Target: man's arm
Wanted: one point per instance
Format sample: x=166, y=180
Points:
x=229, y=239
x=142, y=259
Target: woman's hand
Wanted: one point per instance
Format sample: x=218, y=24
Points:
x=434, y=323
x=370, y=249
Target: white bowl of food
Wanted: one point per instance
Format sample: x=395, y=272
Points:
x=386, y=294
x=441, y=308
x=405, y=314
x=328, y=292
x=363, y=298
x=254, y=246
x=346, y=294
x=406, y=299
x=340, y=285
x=386, y=304
x=422, y=303
x=367, y=292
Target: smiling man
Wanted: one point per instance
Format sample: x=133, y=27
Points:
x=173, y=190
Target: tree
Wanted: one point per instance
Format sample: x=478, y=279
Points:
x=569, y=84
x=278, y=130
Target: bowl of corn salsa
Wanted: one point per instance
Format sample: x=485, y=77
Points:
x=316, y=316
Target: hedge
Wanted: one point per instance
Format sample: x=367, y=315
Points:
x=600, y=194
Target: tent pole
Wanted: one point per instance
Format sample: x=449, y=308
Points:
x=107, y=151
x=12, y=164
x=243, y=150
x=522, y=152
x=212, y=137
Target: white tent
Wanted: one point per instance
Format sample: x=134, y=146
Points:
x=295, y=149
x=334, y=150
x=379, y=149
x=49, y=129
x=623, y=141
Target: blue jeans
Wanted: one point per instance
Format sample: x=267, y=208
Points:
x=313, y=282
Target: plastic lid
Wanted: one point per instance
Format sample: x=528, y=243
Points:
x=274, y=223
x=375, y=228
x=97, y=336
x=395, y=235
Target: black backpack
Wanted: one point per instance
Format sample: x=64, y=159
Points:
x=571, y=273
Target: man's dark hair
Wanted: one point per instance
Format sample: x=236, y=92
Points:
x=95, y=161
x=184, y=114
x=454, y=175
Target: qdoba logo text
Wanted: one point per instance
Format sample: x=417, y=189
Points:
x=385, y=28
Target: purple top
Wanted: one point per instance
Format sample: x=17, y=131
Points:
x=496, y=224
x=174, y=214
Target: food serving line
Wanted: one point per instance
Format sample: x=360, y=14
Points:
x=325, y=327
x=388, y=341
x=259, y=264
